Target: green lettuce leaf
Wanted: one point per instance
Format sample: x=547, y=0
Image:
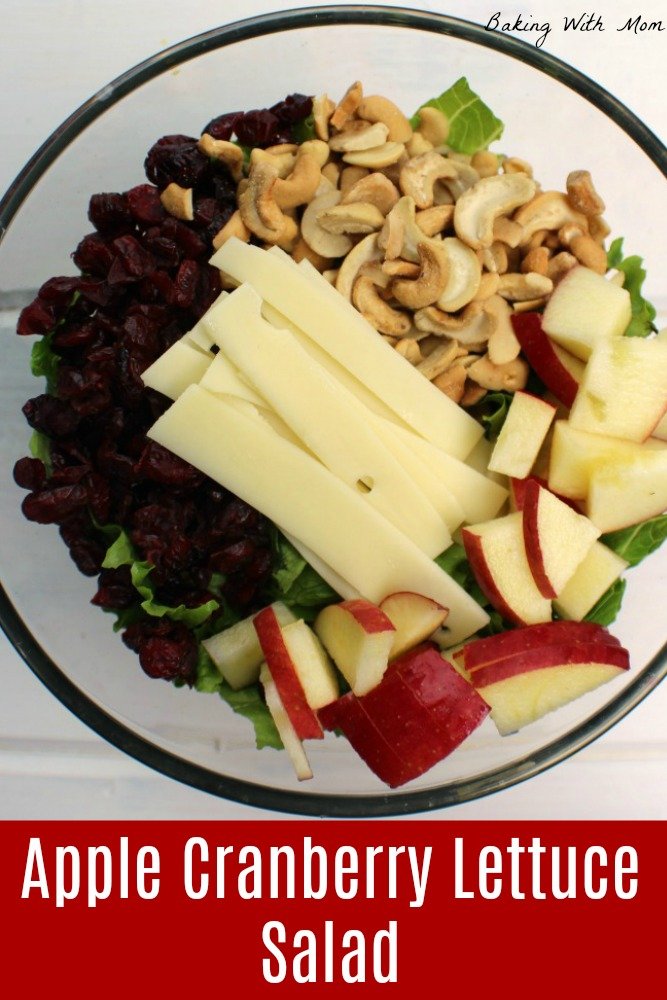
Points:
x=296, y=583
x=304, y=129
x=635, y=543
x=472, y=125
x=643, y=312
x=40, y=447
x=607, y=608
x=248, y=702
x=495, y=408
x=44, y=361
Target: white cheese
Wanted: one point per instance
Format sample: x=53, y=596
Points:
x=222, y=377
x=176, y=369
x=336, y=326
x=308, y=501
x=330, y=421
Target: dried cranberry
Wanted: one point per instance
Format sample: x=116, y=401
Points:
x=136, y=261
x=258, y=128
x=185, y=283
x=167, y=650
x=37, y=318
x=88, y=555
x=93, y=255
x=29, y=473
x=233, y=557
x=176, y=159
x=145, y=205
x=164, y=249
x=110, y=213
x=49, y=506
x=192, y=245
x=162, y=466
x=115, y=590
x=53, y=417
x=59, y=291
x=294, y=108
x=224, y=126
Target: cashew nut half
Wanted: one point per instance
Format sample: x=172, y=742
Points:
x=379, y=313
x=549, y=210
x=430, y=283
x=376, y=108
x=419, y=175
x=479, y=206
x=318, y=239
x=465, y=274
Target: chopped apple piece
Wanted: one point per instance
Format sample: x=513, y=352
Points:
x=313, y=667
x=585, y=308
x=522, y=689
x=497, y=557
x=284, y=673
x=556, y=537
x=420, y=712
x=593, y=577
x=358, y=637
x=626, y=491
x=236, y=651
x=286, y=731
x=624, y=389
x=414, y=617
x=575, y=453
x=660, y=431
x=560, y=371
x=520, y=439
x=521, y=641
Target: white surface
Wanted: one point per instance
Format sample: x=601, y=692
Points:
x=52, y=57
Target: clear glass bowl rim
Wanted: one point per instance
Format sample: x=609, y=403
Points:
x=114, y=732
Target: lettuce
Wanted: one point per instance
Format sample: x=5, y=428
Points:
x=44, y=361
x=635, y=543
x=495, y=409
x=295, y=582
x=643, y=312
x=248, y=702
x=607, y=608
x=472, y=125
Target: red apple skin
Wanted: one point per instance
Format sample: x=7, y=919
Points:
x=369, y=616
x=539, y=352
x=279, y=662
x=348, y=714
x=532, y=541
x=474, y=549
x=558, y=655
x=519, y=641
x=518, y=493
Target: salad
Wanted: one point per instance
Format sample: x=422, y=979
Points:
x=355, y=424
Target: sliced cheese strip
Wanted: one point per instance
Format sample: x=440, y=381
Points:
x=222, y=377
x=480, y=498
x=199, y=335
x=310, y=503
x=176, y=369
x=331, y=422
x=336, y=326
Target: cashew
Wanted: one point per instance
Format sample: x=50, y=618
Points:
x=559, y=265
x=323, y=108
x=178, y=202
x=507, y=231
x=359, y=136
x=379, y=314
x=452, y=382
x=582, y=195
x=434, y=220
x=536, y=260
x=494, y=258
x=375, y=189
x=488, y=286
x=317, y=149
x=510, y=377
x=347, y=105
x=366, y=251
x=418, y=145
x=398, y=268
x=380, y=109
x=479, y=207
x=318, y=239
x=400, y=235
x=258, y=207
x=473, y=395
x=359, y=217
x=283, y=162
x=464, y=178
x=518, y=287
x=503, y=345
x=378, y=157
x=464, y=275
x=548, y=210
x=514, y=165
x=302, y=251
x=430, y=284
x=440, y=359
x=589, y=253
x=349, y=177
x=374, y=270
x=300, y=186
x=598, y=228
x=227, y=152
x=472, y=326
x=410, y=350
x=485, y=163
x=331, y=172
x=235, y=226
x=418, y=177
x=433, y=125
x=530, y=305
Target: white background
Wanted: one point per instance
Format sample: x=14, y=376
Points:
x=53, y=55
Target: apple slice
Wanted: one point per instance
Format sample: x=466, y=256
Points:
x=660, y=430
x=521, y=437
x=519, y=641
x=414, y=617
x=518, y=493
x=313, y=667
x=585, y=308
x=546, y=358
x=524, y=688
x=497, y=557
x=284, y=673
x=624, y=389
x=286, y=731
x=418, y=714
x=358, y=637
x=236, y=651
x=625, y=491
x=556, y=537
x=575, y=453
x=593, y=577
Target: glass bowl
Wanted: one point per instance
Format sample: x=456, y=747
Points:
x=556, y=119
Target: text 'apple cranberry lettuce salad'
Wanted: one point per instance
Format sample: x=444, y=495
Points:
x=355, y=424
